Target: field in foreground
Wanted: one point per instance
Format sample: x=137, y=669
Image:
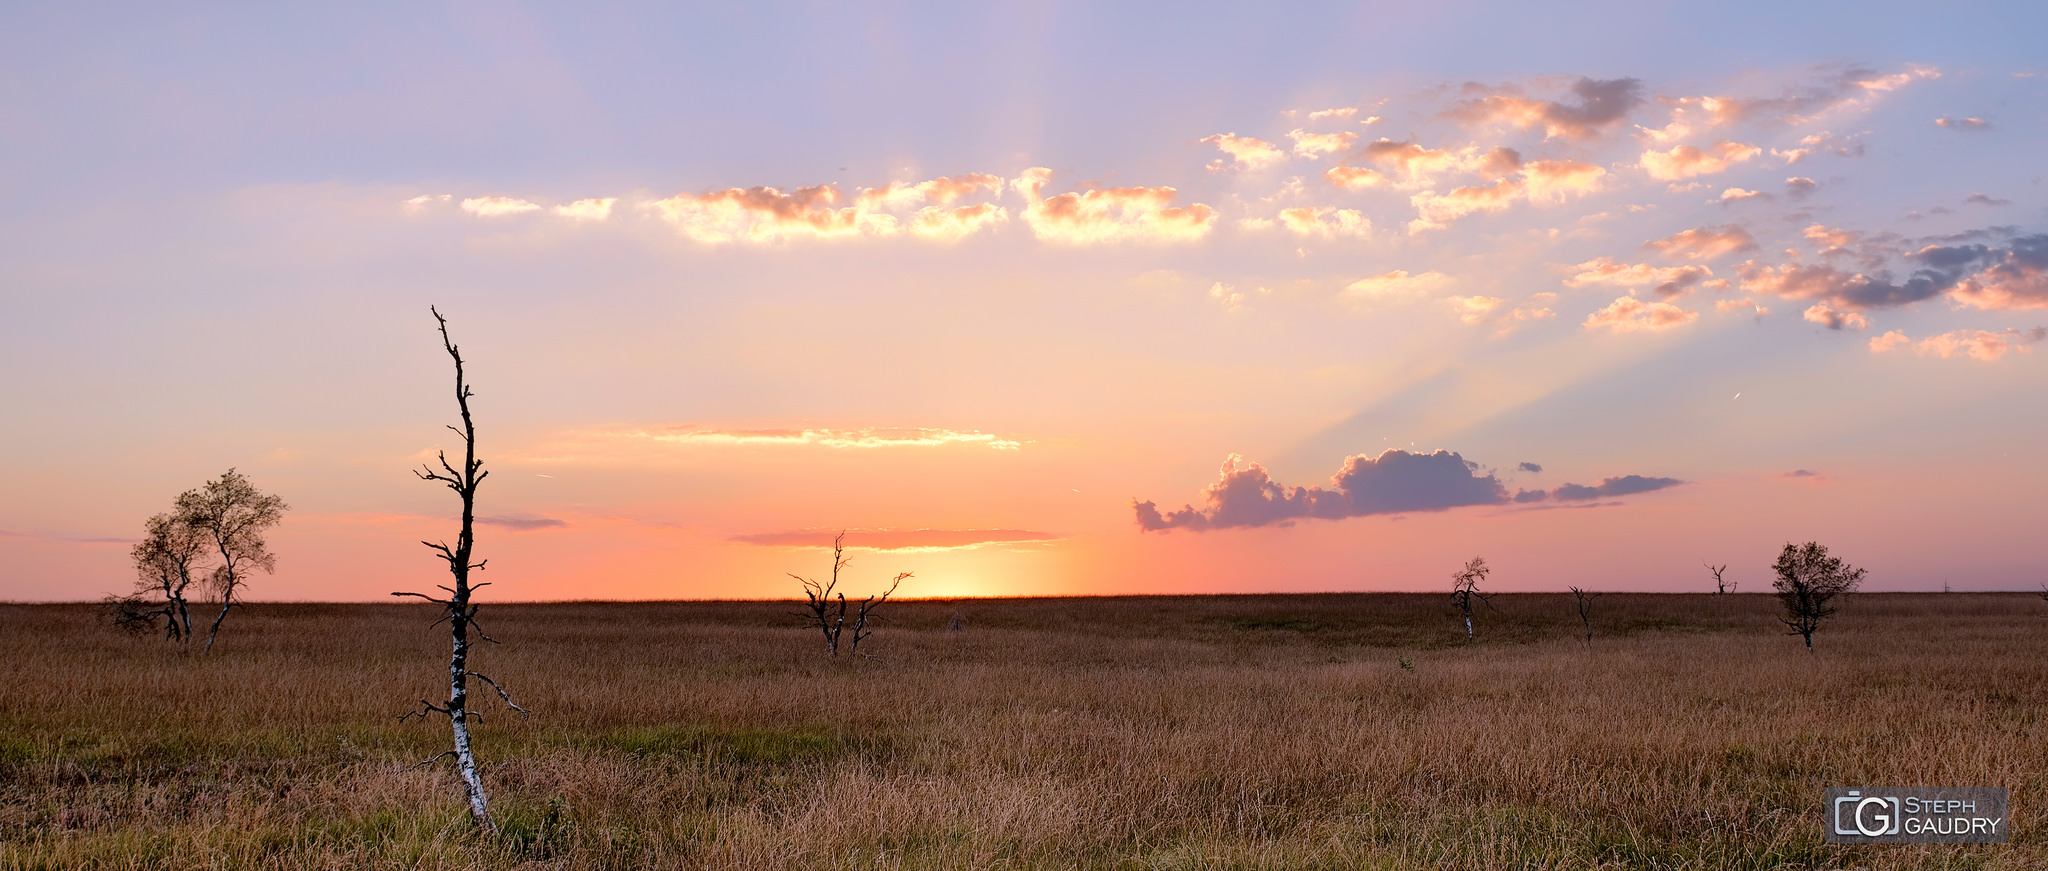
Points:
x=1326, y=731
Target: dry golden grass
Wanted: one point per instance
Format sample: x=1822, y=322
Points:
x=1139, y=733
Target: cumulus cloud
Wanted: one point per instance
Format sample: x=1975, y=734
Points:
x=1245, y=152
x=491, y=207
x=1528, y=467
x=1341, y=112
x=1985, y=200
x=424, y=200
x=1734, y=195
x=1820, y=313
x=1435, y=212
x=1394, y=482
x=1557, y=180
x=2015, y=277
x=1983, y=345
x=1704, y=243
x=1326, y=222
x=1799, y=186
x=1669, y=281
x=1314, y=145
x=1118, y=214
x=1630, y=315
x=1849, y=291
x=1962, y=123
x=767, y=215
x=1417, y=166
x=942, y=224
x=1820, y=143
x=1594, y=106
x=596, y=209
x=1686, y=161
x=896, y=539
x=1355, y=178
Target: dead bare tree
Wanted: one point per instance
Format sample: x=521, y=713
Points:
x=1721, y=586
x=165, y=560
x=825, y=607
x=1585, y=600
x=460, y=612
x=1465, y=587
x=1808, y=582
x=231, y=516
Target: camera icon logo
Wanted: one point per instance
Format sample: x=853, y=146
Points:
x=1870, y=816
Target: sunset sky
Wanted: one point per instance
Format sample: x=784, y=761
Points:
x=1059, y=299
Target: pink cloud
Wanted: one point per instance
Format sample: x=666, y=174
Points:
x=1108, y=215
x=1314, y=145
x=1326, y=222
x=1596, y=106
x=1245, y=152
x=1669, y=281
x=1820, y=313
x=1630, y=315
x=1983, y=345
x=1704, y=243
x=1686, y=161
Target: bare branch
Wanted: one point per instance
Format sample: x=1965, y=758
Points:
x=507, y=697
x=431, y=760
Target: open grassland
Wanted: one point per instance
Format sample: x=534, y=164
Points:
x=1126, y=733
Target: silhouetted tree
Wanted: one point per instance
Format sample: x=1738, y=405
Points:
x=460, y=613
x=1721, y=585
x=1809, y=580
x=166, y=558
x=231, y=516
x=1585, y=601
x=1465, y=587
x=826, y=609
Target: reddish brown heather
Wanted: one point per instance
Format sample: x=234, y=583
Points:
x=1153, y=733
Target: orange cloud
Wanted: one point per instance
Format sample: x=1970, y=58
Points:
x=1355, y=178
x=1630, y=315
x=1326, y=222
x=1555, y=180
x=767, y=215
x=951, y=225
x=1734, y=195
x=1109, y=214
x=1704, y=243
x=1978, y=344
x=491, y=207
x=1419, y=166
x=1342, y=112
x=942, y=191
x=1314, y=145
x=1669, y=281
x=1686, y=161
x=1245, y=152
x=1437, y=211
